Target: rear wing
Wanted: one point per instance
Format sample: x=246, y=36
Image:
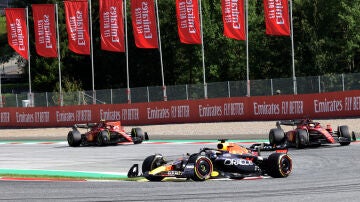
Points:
x=268, y=147
x=84, y=125
x=286, y=123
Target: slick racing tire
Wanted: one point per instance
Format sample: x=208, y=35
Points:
x=279, y=165
x=203, y=167
x=150, y=163
x=103, y=137
x=344, y=132
x=353, y=136
x=276, y=136
x=302, y=139
x=137, y=135
x=74, y=139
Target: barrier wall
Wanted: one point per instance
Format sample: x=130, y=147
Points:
x=277, y=107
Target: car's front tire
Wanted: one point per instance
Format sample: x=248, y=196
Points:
x=279, y=165
x=102, y=138
x=353, y=136
x=344, y=133
x=203, y=167
x=302, y=139
x=137, y=135
x=150, y=163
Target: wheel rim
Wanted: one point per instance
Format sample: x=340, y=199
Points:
x=285, y=165
x=157, y=162
x=203, y=167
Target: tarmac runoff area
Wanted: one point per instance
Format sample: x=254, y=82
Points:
x=189, y=131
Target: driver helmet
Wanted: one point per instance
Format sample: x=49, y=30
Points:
x=311, y=125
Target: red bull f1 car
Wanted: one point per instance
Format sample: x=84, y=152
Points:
x=228, y=160
x=307, y=132
x=104, y=133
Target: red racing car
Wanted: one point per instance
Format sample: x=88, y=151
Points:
x=104, y=133
x=307, y=132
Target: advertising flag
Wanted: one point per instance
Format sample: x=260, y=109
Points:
x=77, y=26
x=112, y=25
x=144, y=23
x=45, y=29
x=233, y=19
x=277, y=17
x=17, y=30
x=187, y=13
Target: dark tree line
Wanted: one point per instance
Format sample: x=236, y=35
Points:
x=326, y=41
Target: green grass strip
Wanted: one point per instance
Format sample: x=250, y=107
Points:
x=61, y=174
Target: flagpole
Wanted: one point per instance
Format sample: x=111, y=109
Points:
x=247, y=49
x=128, y=91
x=292, y=49
x=202, y=51
x=58, y=50
x=28, y=38
x=92, y=54
x=161, y=60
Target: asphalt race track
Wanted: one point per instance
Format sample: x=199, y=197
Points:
x=328, y=173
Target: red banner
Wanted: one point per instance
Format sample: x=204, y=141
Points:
x=17, y=32
x=233, y=19
x=45, y=29
x=144, y=23
x=112, y=25
x=277, y=17
x=187, y=13
x=77, y=26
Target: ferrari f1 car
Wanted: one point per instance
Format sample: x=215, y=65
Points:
x=104, y=133
x=307, y=132
x=228, y=160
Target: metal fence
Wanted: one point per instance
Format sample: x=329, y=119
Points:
x=304, y=85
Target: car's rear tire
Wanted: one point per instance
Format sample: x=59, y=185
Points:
x=137, y=135
x=302, y=139
x=279, y=165
x=344, y=133
x=74, y=139
x=102, y=138
x=203, y=167
x=150, y=163
x=276, y=136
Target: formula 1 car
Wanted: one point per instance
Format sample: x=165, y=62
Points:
x=104, y=133
x=307, y=132
x=228, y=160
